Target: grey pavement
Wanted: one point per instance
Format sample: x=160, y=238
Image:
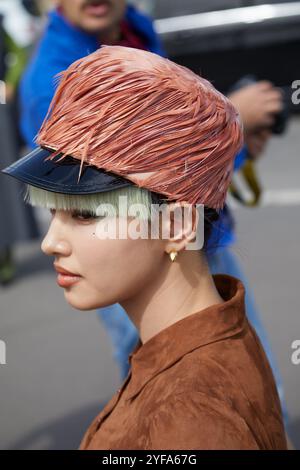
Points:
x=60, y=371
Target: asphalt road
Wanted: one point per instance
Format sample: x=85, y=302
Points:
x=60, y=372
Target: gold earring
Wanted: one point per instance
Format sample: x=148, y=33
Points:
x=173, y=255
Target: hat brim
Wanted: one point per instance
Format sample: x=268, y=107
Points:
x=62, y=177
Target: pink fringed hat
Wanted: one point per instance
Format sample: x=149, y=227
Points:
x=125, y=116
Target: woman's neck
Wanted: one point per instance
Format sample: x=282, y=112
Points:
x=179, y=290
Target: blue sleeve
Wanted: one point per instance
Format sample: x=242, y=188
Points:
x=241, y=158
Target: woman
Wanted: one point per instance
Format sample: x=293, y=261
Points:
x=126, y=129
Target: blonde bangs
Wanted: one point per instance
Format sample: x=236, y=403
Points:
x=137, y=200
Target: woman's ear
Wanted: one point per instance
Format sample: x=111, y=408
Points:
x=179, y=225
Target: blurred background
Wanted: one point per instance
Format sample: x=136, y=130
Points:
x=60, y=369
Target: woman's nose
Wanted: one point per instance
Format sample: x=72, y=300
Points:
x=55, y=242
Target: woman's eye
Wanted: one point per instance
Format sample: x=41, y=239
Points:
x=83, y=215
x=79, y=215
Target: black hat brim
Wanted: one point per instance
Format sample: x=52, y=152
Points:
x=62, y=176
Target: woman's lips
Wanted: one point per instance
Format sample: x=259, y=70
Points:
x=66, y=280
x=97, y=10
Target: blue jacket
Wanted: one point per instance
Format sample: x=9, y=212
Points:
x=62, y=44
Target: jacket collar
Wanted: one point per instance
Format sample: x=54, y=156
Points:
x=212, y=324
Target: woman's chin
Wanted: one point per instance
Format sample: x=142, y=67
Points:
x=84, y=303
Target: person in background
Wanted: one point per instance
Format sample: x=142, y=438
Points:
x=76, y=28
